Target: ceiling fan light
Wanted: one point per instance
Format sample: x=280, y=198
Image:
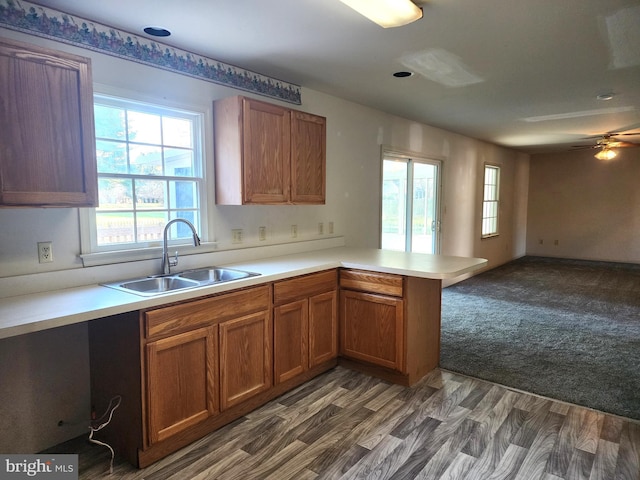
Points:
x=387, y=13
x=606, y=154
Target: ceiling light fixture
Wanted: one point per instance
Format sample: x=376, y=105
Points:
x=157, y=31
x=605, y=96
x=606, y=154
x=387, y=13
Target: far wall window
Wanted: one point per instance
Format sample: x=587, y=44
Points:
x=491, y=199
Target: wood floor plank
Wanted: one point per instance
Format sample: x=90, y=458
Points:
x=590, y=433
x=262, y=469
x=498, y=445
x=628, y=463
x=490, y=420
x=361, y=469
x=485, y=407
x=216, y=469
x=580, y=465
x=453, y=399
x=562, y=452
x=459, y=467
x=536, y=417
x=397, y=458
x=476, y=396
x=604, y=463
x=425, y=453
x=611, y=428
x=509, y=464
x=361, y=432
x=422, y=412
x=534, y=464
x=445, y=455
x=384, y=397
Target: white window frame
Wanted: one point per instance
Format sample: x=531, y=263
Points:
x=410, y=159
x=490, y=226
x=93, y=254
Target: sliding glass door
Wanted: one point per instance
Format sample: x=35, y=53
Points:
x=410, y=204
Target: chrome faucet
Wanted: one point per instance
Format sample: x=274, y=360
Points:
x=167, y=262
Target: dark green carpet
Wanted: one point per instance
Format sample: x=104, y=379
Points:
x=565, y=329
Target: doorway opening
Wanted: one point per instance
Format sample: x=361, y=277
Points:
x=410, y=213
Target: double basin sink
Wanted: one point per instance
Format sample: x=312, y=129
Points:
x=200, y=277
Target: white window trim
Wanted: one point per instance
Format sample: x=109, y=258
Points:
x=387, y=152
x=86, y=216
x=482, y=217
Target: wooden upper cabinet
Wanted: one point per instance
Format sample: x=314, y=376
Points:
x=267, y=154
x=48, y=154
x=308, y=158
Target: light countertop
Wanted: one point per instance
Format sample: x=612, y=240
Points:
x=40, y=311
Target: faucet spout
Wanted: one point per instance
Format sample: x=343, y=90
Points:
x=167, y=263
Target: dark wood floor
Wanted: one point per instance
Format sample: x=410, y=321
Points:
x=348, y=425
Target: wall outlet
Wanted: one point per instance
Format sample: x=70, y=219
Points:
x=236, y=235
x=556, y=242
x=294, y=231
x=330, y=228
x=45, y=252
x=262, y=233
x=320, y=228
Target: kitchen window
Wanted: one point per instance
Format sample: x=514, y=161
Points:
x=491, y=199
x=150, y=171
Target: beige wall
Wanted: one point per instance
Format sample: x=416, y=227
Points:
x=589, y=206
x=355, y=135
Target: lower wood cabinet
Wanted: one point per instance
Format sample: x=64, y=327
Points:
x=305, y=323
x=182, y=381
x=186, y=369
x=389, y=324
x=245, y=358
x=372, y=328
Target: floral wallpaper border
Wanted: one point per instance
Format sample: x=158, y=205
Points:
x=45, y=22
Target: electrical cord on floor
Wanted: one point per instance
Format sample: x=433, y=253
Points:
x=114, y=403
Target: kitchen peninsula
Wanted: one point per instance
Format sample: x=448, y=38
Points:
x=188, y=362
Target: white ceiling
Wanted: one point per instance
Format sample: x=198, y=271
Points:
x=519, y=73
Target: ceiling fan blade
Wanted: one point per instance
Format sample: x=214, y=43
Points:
x=624, y=144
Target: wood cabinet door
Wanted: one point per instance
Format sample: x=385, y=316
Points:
x=290, y=340
x=323, y=328
x=182, y=379
x=245, y=358
x=308, y=158
x=266, y=162
x=48, y=155
x=371, y=328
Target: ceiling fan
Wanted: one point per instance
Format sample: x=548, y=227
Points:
x=607, y=143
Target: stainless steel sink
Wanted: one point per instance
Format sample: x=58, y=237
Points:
x=155, y=286
x=200, y=277
x=211, y=275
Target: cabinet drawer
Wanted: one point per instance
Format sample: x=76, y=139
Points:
x=168, y=320
x=303, y=287
x=373, y=282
